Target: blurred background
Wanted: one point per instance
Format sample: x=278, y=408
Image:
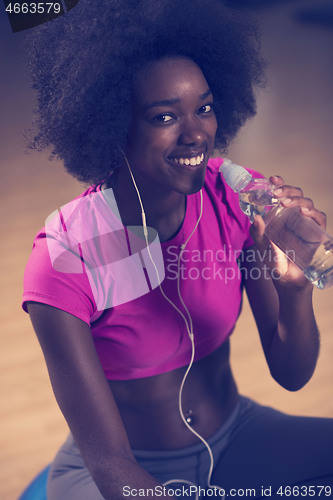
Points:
x=290, y=136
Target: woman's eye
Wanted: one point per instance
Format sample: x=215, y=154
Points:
x=207, y=108
x=164, y=118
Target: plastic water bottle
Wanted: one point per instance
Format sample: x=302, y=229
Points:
x=298, y=236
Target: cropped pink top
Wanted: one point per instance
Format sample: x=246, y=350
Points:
x=146, y=336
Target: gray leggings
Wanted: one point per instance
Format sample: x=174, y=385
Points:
x=258, y=452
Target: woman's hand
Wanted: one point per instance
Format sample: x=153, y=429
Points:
x=282, y=306
x=283, y=271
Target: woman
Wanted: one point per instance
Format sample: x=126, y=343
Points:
x=134, y=99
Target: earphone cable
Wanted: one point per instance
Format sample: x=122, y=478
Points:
x=188, y=324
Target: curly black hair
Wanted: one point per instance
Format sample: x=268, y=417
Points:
x=83, y=65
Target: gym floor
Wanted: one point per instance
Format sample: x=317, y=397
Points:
x=291, y=136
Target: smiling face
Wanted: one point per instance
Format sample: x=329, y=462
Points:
x=173, y=127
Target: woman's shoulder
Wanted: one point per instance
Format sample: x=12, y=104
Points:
x=55, y=274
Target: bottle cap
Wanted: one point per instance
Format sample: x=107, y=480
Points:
x=235, y=176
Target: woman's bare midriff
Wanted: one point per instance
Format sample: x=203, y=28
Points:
x=149, y=406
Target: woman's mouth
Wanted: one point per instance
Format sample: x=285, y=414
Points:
x=192, y=161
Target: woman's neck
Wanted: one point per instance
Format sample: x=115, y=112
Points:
x=165, y=210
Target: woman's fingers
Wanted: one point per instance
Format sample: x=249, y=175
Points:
x=291, y=196
x=316, y=215
x=277, y=180
x=257, y=231
x=284, y=191
x=294, y=201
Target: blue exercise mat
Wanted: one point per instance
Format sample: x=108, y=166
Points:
x=37, y=488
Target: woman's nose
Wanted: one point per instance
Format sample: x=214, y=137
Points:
x=192, y=134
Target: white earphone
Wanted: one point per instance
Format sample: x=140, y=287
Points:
x=189, y=328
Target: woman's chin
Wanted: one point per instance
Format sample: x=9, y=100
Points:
x=194, y=185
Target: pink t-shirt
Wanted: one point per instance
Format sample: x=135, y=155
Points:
x=145, y=336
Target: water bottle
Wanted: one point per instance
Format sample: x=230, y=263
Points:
x=298, y=236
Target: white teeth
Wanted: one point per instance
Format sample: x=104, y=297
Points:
x=189, y=161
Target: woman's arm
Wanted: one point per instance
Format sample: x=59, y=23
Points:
x=282, y=306
x=86, y=401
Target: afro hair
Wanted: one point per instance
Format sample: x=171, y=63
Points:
x=83, y=64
